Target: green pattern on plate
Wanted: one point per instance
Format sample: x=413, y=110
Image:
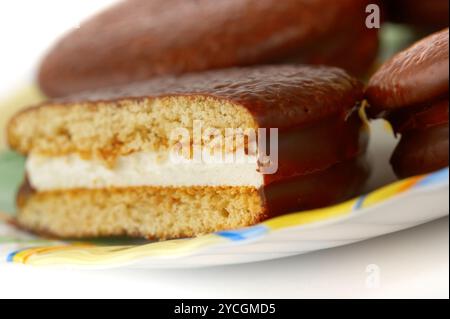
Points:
x=11, y=175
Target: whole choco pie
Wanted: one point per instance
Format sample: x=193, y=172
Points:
x=140, y=39
x=98, y=163
x=411, y=92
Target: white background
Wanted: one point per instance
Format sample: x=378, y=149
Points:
x=412, y=263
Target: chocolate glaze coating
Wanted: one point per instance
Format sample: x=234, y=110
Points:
x=338, y=183
x=281, y=96
x=423, y=147
x=140, y=39
x=317, y=147
x=336, y=52
x=411, y=91
x=421, y=151
x=415, y=76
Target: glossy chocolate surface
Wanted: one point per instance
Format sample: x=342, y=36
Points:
x=139, y=39
x=423, y=146
x=421, y=151
x=354, y=51
x=319, y=189
x=317, y=147
x=415, y=76
x=411, y=92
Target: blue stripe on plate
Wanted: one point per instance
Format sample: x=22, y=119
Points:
x=359, y=202
x=439, y=177
x=10, y=257
x=245, y=233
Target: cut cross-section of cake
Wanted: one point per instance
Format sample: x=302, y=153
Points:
x=182, y=156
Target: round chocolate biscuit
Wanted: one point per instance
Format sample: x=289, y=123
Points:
x=140, y=39
x=412, y=77
x=411, y=92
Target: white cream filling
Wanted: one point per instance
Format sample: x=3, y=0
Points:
x=137, y=169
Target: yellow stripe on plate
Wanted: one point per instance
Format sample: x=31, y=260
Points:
x=92, y=255
x=312, y=216
x=389, y=191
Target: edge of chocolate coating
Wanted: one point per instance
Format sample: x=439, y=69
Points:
x=421, y=117
x=281, y=96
